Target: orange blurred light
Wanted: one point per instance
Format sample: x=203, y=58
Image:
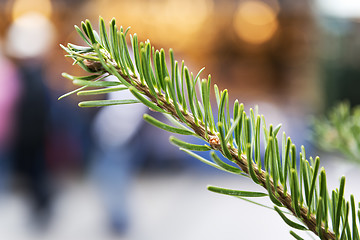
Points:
x=21, y=7
x=165, y=21
x=255, y=22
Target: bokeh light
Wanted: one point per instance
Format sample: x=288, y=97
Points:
x=31, y=32
x=30, y=35
x=341, y=9
x=162, y=21
x=21, y=7
x=255, y=22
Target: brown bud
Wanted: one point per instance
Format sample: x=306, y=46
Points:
x=93, y=66
x=214, y=141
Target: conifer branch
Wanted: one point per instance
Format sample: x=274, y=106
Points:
x=185, y=97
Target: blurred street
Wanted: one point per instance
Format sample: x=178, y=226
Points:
x=163, y=206
x=176, y=207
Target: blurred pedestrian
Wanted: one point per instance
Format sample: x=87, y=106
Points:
x=116, y=156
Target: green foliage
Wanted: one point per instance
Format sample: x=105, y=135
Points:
x=166, y=127
x=185, y=100
x=236, y=193
x=288, y=221
x=339, y=131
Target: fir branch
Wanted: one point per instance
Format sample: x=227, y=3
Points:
x=163, y=90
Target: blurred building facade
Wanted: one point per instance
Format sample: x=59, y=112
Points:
x=266, y=43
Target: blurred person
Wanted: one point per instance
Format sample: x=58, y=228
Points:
x=28, y=150
x=117, y=153
x=28, y=39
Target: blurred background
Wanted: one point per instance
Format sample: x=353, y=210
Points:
x=72, y=173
